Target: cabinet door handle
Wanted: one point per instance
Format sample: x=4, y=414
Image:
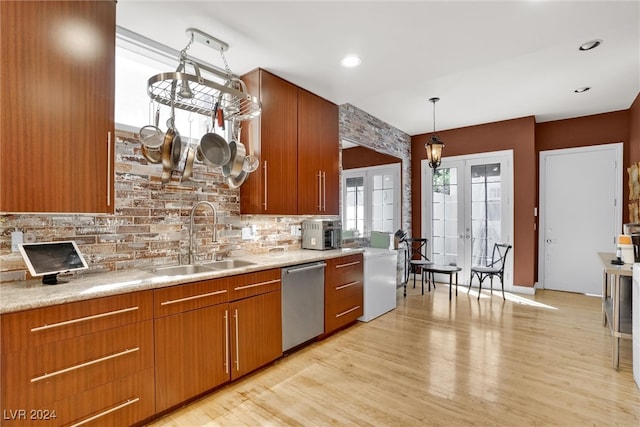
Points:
x=109, y=168
x=226, y=341
x=348, y=311
x=83, y=319
x=237, y=344
x=265, y=185
x=253, y=285
x=174, y=301
x=108, y=411
x=320, y=190
x=84, y=365
x=324, y=191
x=347, y=285
x=349, y=264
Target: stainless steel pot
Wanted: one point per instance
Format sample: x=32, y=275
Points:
x=213, y=150
x=233, y=168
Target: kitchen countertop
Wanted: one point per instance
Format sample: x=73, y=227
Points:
x=24, y=295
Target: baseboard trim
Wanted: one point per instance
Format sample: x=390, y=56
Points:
x=527, y=290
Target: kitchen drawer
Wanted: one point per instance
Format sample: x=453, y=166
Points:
x=119, y=403
x=251, y=284
x=191, y=296
x=346, y=297
x=337, y=317
x=344, y=269
x=47, y=373
x=32, y=328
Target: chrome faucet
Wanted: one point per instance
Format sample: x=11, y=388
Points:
x=215, y=222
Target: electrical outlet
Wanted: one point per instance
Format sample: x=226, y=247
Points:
x=295, y=230
x=247, y=233
x=16, y=238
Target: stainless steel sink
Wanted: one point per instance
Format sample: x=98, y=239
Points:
x=228, y=264
x=180, y=270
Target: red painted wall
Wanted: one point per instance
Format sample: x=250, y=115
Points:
x=527, y=139
x=516, y=134
x=361, y=157
x=634, y=131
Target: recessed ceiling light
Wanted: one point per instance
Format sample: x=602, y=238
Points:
x=350, y=61
x=592, y=44
x=582, y=89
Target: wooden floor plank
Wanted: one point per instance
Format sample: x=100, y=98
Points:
x=542, y=360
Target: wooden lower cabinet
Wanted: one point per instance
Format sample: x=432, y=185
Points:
x=344, y=292
x=203, y=341
x=191, y=354
x=257, y=332
x=84, y=363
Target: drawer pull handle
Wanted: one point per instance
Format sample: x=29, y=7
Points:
x=349, y=264
x=174, y=301
x=348, y=311
x=347, y=285
x=239, y=288
x=84, y=365
x=83, y=319
x=108, y=411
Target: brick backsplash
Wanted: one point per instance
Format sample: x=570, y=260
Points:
x=150, y=225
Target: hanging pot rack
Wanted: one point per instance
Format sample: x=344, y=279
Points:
x=206, y=95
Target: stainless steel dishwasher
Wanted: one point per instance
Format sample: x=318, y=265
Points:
x=302, y=303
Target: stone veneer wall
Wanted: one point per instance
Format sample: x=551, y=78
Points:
x=361, y=128
x=151, y=221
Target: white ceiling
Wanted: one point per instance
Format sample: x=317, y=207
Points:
x=487, y=61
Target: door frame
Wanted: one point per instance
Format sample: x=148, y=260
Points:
x=426, y=174
x=618, y=147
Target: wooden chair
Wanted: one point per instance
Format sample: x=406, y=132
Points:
x=494, y=269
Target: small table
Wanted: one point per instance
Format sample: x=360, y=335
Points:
x=444, y=269
x=431, y=268
x=611, y=314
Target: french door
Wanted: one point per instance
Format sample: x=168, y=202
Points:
x=467, y=207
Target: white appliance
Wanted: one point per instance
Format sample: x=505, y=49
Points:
x=635, y=321
x=380, y=286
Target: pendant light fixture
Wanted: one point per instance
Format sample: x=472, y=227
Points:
x=434, y=146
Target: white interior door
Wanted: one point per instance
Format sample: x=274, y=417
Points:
x=579, y=215
x=467, y=208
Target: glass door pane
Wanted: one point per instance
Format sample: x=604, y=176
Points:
x=382, y=202
x=486, y=208
x=445, y=224
x=354, y=205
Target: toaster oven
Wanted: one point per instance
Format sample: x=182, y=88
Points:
x=321, y=234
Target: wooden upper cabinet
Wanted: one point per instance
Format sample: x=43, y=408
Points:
x=57, y=114
x=318, y=161
x=272, y=188
x=296, y=138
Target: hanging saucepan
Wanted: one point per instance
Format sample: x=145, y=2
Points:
x=235, y=182
x=171, y=149
x=152, y=155
x=234, y=167
x=213, y=149
x=151, y=136
x=188, y=165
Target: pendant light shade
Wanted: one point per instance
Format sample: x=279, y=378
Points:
x=434, y=146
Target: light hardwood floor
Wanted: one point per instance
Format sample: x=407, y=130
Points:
x=541, y=361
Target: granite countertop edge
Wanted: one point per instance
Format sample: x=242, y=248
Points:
x=25, y=295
